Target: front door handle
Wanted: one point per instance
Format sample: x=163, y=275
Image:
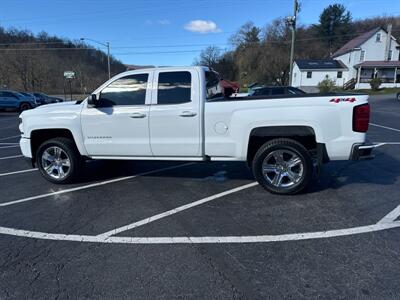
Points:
x=137, y=115
x=187, y=113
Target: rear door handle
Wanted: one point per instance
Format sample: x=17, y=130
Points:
x=137, y=115
x=187, y=113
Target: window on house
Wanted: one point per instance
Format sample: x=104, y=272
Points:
x=339, y=74
x=362, y=55
x=309, y=74
x=378, y=37
x=390, y=55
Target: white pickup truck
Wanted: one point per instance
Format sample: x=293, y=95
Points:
x=181, y=113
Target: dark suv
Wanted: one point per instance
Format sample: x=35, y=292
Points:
x=275, y=90
x=42, y=98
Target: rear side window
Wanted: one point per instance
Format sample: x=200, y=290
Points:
x=174, y=87
x=9, y=94
x=128, y=90
x=278, y=91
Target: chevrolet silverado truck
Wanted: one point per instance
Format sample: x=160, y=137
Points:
x=182, y=114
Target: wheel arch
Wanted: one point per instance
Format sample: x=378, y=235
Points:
x=305, y=135
x=37, y=137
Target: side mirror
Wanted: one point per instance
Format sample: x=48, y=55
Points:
x=92, y=100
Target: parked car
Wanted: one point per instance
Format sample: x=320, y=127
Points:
x=275, y=90
x=31, y=96
x=16, y=101
x=46, y=99
x=190, y=119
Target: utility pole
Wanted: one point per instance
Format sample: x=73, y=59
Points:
x=108, y=60
x=107, y=44
x=291, y=21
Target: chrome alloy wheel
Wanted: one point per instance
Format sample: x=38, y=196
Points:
x=283, y=168
x=55, y=162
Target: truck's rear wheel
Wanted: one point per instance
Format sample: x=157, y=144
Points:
x=58, y=160
x=283, y=166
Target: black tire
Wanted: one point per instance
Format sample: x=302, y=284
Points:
x=287, y=146
x=24, y=106
x=70, y=150
x=398, y=96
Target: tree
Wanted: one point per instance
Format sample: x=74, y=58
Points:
x=334, y=25
x=209, y=57
x=247, y=35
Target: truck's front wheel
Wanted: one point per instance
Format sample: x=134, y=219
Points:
x=58, y=160
x=283, y=166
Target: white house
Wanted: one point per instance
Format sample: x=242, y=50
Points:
x=307, y=73
x=372, y=54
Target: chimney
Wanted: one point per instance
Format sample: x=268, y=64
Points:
x=388, y=41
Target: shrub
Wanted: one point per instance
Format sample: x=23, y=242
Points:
x=327, y=85
x=375, y=84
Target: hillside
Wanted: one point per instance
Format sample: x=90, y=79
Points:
x=37, y=63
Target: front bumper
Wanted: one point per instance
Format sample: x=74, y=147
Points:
x=362, y=151
x=25, y=145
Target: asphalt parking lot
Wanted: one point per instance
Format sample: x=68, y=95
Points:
x=202, y=230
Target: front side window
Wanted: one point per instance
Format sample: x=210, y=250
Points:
x=128, y=90
x=339, y=74
x=390, y=55
x=174, y=87
x=378, y=37
x=309, y=74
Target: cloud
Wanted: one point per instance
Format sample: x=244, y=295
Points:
x=202, y=26
x=164, y=22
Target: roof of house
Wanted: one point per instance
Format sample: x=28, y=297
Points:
x=379, y=64
x=320, y=64
x=356, y=42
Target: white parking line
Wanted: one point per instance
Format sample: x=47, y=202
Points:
x=88, y=186
x=17, y=172
x=385, y=127
x=175, y=210
x=199, y=240
x=9, y=157
x=390, y=217
x=9, y=137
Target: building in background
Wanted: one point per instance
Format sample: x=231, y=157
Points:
x=374, y=54
x=307, y=73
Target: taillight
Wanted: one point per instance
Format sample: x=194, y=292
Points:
x=361, y=118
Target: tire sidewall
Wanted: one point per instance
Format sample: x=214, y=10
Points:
x=24, y=106
x=72, y=157
x=288, y=145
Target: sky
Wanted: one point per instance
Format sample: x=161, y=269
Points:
x=169, y=32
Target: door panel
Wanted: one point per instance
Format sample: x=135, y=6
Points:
x=113, y=131
x=175, y=114
x=119, y=129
